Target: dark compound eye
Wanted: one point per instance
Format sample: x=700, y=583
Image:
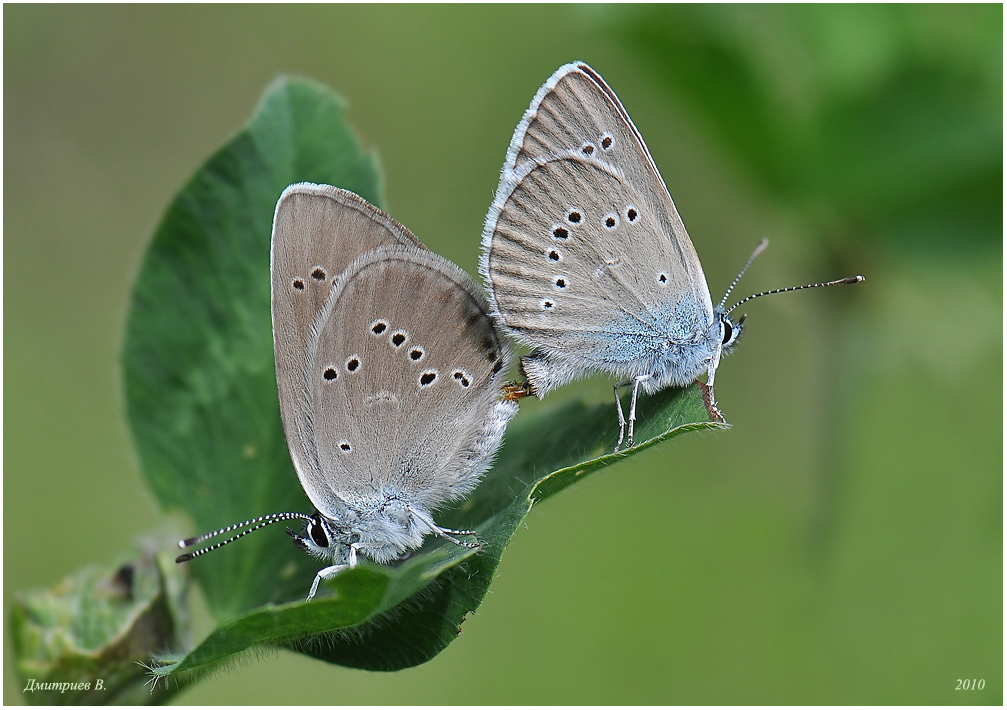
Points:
x=728, y=331
x=317, y=534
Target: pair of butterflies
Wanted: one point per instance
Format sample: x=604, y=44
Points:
x=390, y=363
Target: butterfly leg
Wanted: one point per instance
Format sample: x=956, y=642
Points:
x=336, y=569
x=325, y=574
x=513, y=391
x=457, y=532
x=445, y=533
x=711, y=405
x=618, y=409
x=632, y=407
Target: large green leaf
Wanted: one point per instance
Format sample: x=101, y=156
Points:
x=203, y=406
x=388, y=618
x=198, y=354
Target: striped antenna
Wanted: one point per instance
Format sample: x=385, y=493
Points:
x=260, y=522
x=847, y=280
x=758, y=250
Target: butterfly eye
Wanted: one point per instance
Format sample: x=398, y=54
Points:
x=728, y=331
x=317, y=533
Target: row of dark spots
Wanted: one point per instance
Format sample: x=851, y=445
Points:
x=330, y=373
x=397, y=340
x=606, y=141
x=574, y=217
x=427, y=378
x=318, y=274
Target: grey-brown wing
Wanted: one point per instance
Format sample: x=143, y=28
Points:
x=405, y=375
x=575, y=111
x=317, y=231
x=578, y=265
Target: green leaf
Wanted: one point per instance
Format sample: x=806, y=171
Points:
x=203, y=406
x=388, y=618
x=84, y=640
x=198, y=354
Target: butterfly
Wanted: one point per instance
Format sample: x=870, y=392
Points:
x=587, y=260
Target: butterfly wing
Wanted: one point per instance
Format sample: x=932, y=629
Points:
x=317, y=231
x=576, y=110
x=576, y=152
x=405, y=377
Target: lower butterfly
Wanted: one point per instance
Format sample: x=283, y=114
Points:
x=389, y=371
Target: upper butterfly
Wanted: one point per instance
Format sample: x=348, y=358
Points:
x=586, y=258
x=389, y=372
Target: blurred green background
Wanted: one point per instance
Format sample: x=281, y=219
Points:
x=841, y=544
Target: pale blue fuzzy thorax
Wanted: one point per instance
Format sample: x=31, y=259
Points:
x=383, y=524
x=674, y=344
